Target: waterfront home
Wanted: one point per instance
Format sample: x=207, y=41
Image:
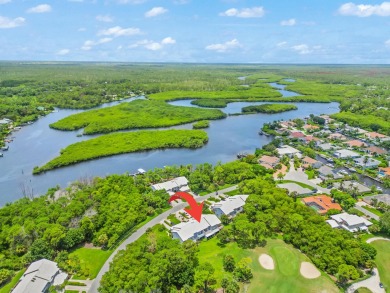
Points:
x=288, y=151
x=385, y=198
x=365, y=162
x=229, y=207
x=355, y=143
x=269, y=162
x=297, y=134
x=309, y=127
x=384, y=172
x=326, y=172
x=351, y=223
x=172, y=186
x=307, y=161
x=293, y=187
x=374, y=150
x=309, y=138
x=321, y=203
x=345, y=154
x=337, y=136
x=208, y=226
x=39, y=276
x=352, y=186
x=5, y=121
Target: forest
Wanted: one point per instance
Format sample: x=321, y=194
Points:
x=127, y=142
x=135, y=114
x=268, y=108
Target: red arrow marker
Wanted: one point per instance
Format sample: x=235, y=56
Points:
x=196, y=210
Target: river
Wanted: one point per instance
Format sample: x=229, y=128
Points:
x=36, y=144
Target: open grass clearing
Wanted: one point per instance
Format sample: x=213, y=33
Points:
x=382, y=260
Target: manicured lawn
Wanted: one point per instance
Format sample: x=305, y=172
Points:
x=382, y=260
x=233, y=192
x=286, y=276
x=173, y=219
x=91, y=260
x=297, y=182
x=372, y=210
x=363, y=290
x=7, y=288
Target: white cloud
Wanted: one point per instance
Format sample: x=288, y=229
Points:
x=233, y=44
x=63, y=52
x=104, y=18
x=155, y=11
x=152, y=45
x=289, y=22
x=4, y=1
x=362, y=10
x=118, y=31
x=281, y=44
x=89, y=44
x=41, y=8
x=304, y=49
x=6, y=22
x=244, y=12
x=387, y=43
x=168, y=40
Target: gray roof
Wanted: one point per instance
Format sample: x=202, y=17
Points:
x=37, y=276
x=350, y=220
x=326, y=170
x=169, y=185
x=346, y=153
x=326, y=146
x=385, y=198
x=287, y=150
x=370, y=161
x=230, y=204
x=351, y=184
x=291, y=187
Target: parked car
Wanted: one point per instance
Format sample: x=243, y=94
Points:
x=381, y=285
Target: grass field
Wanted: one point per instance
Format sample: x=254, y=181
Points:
x=286, y=276
x=127, y=142
x=363, y=290
x=134, y=115
x=91, y=260
x=7, y=288
x=382, y=260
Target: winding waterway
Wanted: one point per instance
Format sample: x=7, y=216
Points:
x=36, y=144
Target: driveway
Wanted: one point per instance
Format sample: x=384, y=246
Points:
x=359, y=206
x=137, y=234
x=300, y=176
x=371, y=283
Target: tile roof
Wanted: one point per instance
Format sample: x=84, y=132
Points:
x=323, y=201
x=375, y=135
x=375, y=149
x=355, y=143
x=269, y=160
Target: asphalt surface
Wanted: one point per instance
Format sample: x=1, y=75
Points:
x=137, y=234
x=371, y=283
x=359, y=207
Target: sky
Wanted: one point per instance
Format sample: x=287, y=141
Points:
x=201, y=31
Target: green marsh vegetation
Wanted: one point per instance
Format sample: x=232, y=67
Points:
x=201, y=124
x=268, y=108
x=125, y=142
x=210, y=103
x=135, y=114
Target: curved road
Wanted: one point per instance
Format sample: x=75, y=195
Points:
x=133, y=237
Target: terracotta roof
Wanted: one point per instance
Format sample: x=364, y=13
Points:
x=337, y=136
x=297, y=134
x=324, y=202
x=308, y=126
x=375, y=135
x=375, y=149
x=265, y=165
x=269, y=160
x=310, y=138
x=309, y=160
x=385, y=170
x=355, y=143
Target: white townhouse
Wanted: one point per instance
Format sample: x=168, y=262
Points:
x=351, y=223
x=172, y=186
x=230, y=207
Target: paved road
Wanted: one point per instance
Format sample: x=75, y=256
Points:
x=359, y=207
x=300, y=176
x=371, y=283
x=133, y=237
x=377, y=238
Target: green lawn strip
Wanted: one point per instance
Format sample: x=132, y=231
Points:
x=91, y=260
x=71, y=291
x=233, y=192
x=382, y=260
x=127, y=142
x=173, y=219
x=296, y=182
x=73, y=283
x=268, y=108
x=363, y=290
x=7, y=287
x=373, y=210
x=286, y=279
x=135, y=115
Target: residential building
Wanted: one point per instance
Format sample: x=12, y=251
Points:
x=288, y=151
x=38, y=277
x=297, y=134
x=321, y=204
x=326, y=146
x=269, y=162
x=374, y=135
x=366, y=162
x=307, y=161
x=384, y=172
x=309, y=138
x=352, y=186
x=309, y=127
x=172, y=186
x=355, y=143
x=326, y=172
x=345, y=154
x=5, y=121
x=351, y=223
x=230, y=207
x=208, y=226
x=385, y=198
x=293, y=187
x=337, y=136
x=374, y=150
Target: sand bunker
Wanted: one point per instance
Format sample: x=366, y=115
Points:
x=266, y=262
x=309, y=271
